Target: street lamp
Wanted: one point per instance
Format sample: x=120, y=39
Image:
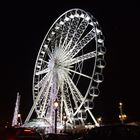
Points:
x=99, y=120
x=19, y=119
x=65, y=119
x=19, y=115
x=122, y=116
x=55, y=108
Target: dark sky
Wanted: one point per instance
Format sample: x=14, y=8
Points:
x=23, y=27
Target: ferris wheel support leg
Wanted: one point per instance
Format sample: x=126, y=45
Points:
x=33, y=107
x=30, y=113
x=96, y=123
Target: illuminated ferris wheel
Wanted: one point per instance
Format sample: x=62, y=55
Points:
x=69, y=69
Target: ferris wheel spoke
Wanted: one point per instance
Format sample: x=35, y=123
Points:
x=82, y=58
x=81, y=28
x=74, y=23
x=65, y=31
x=39, y=83
x=75, y=89
x=44, y=80
x=45, y=92
x=45, y=100
x=73, y=93
x=67, y=111
x=78, y=67
x=81, y=74
x=42, y=51
x=82, y=43
x=41, y=92
x=67, y=103
x=62, y=36
x=44, y=61
x=46, y=70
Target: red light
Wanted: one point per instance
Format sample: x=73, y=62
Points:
x=28, y=131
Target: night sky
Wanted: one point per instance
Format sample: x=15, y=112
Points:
x=23, y=27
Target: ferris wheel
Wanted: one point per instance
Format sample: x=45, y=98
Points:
x=69, y=69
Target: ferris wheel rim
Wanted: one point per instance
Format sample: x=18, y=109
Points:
x=43, y=44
